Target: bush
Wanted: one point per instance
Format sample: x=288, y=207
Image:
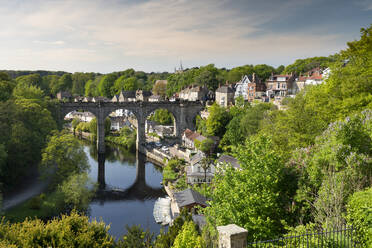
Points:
x=359, y=214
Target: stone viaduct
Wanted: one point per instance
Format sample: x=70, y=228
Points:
x=184, y=113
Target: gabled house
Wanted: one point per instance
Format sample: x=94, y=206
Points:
x=189, y=199
x=225, y=95
x=256, y=88
x=143, y=95
x=194, y=93
x=313, y=77
x=189, y=137
x=87, y=99
x=195, y=172
x=127, y=96
x=279, y=86
x=115, y=98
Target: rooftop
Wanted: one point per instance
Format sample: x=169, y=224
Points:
x=189, y=197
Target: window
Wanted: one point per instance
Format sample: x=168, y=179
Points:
x=278, y=86
x=283, y=86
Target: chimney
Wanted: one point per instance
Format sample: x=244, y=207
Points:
x=254, y=77
x=227, y=82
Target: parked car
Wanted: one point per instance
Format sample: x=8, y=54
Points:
x=158, y=144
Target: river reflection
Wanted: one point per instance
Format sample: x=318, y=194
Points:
x=127, y=189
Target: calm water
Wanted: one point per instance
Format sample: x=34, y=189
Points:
x=128, y=188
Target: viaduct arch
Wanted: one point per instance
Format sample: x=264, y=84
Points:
x=184, y=113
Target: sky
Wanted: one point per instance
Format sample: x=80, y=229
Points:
x=114, y=35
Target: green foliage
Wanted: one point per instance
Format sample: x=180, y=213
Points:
x=359, y=214
x=188, y=237
x=136, y=237
x=105, y=85
x=124, y=83
x=205, y=146
x=24, y=127
x=250, y=197
x=28, y=92
x=245, y=122
x=305, y=65
x=336, y=166
x=75, y=192
x=79, y=80
x=62, y=157
x=168, y=174
x=68, y=231
x=160, y=88
x=6, y=88
x=217, y=120
x=127, y=138
x=162, y=117
x=166, y=239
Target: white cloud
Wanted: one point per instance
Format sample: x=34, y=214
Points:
x=140, y=34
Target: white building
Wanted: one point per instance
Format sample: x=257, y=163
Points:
x=195, y=172
x=241, y=88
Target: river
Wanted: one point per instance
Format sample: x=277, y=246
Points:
x=128, y=188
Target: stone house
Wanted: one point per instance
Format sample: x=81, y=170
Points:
x=189, y=137
x=87, y=99
x=195, y=172
x=225, y=95
x=279, y=86
x=194, y=93
x=64, y=95
x=100, y=99
x=256, y=88
x=143, y=95
x=127, y=96
x=82, y=116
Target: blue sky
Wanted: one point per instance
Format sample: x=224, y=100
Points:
x=105, y=36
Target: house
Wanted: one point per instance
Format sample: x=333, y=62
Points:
x=228, y=160
x=279, y=86
x=155, y=98
x=115, y=98
x=143, y=95
x=117, y=122
x=241, y=88
x=189, y=199
x=225, y=95
x=194, y=93
x=189, y=137
x=87, y=99
x=82, y=116
x=127, y=96
x=78, y=99
x=315, y=76
x=256, y=88
x=195, y=172
x=64, y=95
x=100, y=99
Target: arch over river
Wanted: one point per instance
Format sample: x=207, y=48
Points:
x=184, y=113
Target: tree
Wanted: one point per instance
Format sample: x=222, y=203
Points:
x=188, y=237
x=75, y=122
x=105, y=85
x=24, y=91
x=250, y=197
x=64, y=84
x=62, y=157
x=71, y=230
x=217, y=120
x=6, y=88
x=162, y=117
x=160, y=88
x=136, y=237
x=339, y=163
x=75, y=192
x=124, y=83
